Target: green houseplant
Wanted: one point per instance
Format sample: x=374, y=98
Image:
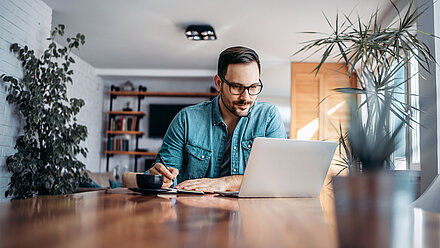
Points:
x=374, y=55
x=45, y=161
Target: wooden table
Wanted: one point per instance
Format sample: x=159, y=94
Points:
x=120, y=218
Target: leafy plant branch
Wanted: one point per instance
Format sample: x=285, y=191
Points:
x=374, y=55
x=45, y=161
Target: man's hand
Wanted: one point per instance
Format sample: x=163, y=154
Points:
x=229, y=183
x=168, y=174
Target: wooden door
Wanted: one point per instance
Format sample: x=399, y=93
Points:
x=316, y=109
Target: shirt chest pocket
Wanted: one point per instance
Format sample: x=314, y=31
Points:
x=247, y=146
x=198, y=161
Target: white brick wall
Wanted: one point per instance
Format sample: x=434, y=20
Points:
x=29, y=22
x=90, y=88
x=25, y=22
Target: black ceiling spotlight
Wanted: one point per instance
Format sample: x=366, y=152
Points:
x=200, y=32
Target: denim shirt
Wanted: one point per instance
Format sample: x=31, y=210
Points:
x=195, y=140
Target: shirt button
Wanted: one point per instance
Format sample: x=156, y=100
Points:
x=203, y=156
x=249, y=146
x=235, y=147
x=234, y=170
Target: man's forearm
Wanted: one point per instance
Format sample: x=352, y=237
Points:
x=233, y=182
x=228, y=183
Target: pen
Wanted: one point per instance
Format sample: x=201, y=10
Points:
x=161, y=160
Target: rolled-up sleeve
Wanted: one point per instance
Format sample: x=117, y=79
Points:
x=172, y=150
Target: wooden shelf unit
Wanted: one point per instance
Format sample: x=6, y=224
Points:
x=112, y=133
x=125, y=113
x=138, y=153
x=124, y=132
x=140, y=94
x=162, y=94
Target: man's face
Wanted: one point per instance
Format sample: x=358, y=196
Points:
x=245, y=74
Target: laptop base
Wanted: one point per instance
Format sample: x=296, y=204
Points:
x=228, y=193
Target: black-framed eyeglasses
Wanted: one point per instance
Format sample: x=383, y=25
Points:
x=237, y=89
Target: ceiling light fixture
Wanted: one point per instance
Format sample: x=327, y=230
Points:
x=200, y=32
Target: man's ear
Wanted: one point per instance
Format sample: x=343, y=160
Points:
x=218, y=82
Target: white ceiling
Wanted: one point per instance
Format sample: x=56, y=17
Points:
x=149, y=34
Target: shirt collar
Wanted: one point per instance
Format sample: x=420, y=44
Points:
x=217, y=115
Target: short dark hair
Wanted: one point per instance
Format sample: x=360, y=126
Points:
x=236, y=55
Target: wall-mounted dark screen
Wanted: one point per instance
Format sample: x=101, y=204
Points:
x=160, y=118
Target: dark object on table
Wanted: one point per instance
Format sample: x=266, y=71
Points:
x=166, y=191
x=149, y=181
x=149, y=191
x=369, y=205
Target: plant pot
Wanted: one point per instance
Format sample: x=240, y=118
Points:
x=372, y=209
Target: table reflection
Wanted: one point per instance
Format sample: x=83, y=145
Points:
x=283, y=221
x=120, y=218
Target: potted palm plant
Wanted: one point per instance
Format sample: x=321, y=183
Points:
x=374, y=55
x=46, y=158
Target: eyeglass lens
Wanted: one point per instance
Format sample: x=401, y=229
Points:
x=238, y=90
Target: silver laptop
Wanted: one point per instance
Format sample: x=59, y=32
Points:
x=285, y=168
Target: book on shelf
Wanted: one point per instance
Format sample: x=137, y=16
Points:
x=128, y=122
x=110, y=144
x=123, y=123
x=117, y=144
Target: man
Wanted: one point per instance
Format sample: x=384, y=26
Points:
x=207, y=145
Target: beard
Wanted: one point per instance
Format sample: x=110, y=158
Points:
x=239, y=108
